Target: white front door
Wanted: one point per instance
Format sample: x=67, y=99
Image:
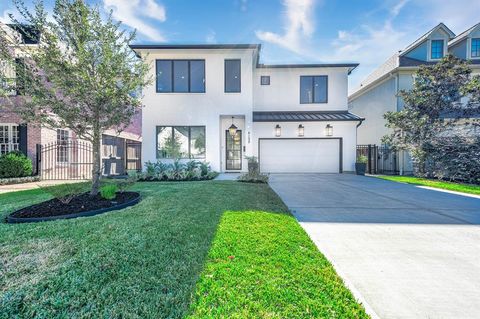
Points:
x=300, y=155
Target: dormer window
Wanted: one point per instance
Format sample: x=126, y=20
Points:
x=475, y=48
x=437, y=49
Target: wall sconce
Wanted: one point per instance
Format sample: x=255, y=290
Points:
x=278, y=130
x=328, y=130
x=232, y=129
x=301, y=130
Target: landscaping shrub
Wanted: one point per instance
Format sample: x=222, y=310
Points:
x=108, y=191
x=122, y=184
x=177, y=171
x=454, y=159
x=15, y=164
x=66, y=192
x=253, y=177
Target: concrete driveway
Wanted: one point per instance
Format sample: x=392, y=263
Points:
x=404, y=251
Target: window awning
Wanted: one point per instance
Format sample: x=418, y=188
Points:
x=305, y=116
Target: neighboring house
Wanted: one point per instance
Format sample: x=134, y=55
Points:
x=216, y=103
x=377, y=94
x=62, y=160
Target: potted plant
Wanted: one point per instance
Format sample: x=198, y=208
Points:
x=252, y=163
x=361, y=165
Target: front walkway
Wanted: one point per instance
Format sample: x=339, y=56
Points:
x=405, y=252
x=31, y=185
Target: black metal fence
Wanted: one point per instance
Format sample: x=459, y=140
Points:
x=381, y=159
x=65, y=160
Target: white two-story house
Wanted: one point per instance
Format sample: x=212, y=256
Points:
x=217, y=104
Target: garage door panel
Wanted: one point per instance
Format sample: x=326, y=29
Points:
x=300, y=155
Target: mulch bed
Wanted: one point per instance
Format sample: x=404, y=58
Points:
x=81, y=203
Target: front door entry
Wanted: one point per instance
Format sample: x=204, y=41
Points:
x=233, y=152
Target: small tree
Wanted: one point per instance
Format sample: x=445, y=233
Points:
x=83, y=75
x=432, y=108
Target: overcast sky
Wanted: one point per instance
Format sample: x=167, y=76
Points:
x=292, y=31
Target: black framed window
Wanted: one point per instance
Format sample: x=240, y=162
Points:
x=313, y=89
x=437, y=49
x=181, y=142
x=265, y=80
x=233, y=76
x=182, y=76
x=475, y=52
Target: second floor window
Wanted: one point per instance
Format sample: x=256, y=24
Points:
x=313, y=89
x=475, y=48
x=183, y=76
x=232, y=76
x=437, y=49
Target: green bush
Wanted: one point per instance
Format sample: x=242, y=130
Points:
x=15, y=164
x=109, y=191
x=177, y=170
x=66, y=192
x=253, y=177
x=362, y=159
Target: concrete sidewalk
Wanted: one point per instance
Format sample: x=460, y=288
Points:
x=33, y=185
x=405, y=252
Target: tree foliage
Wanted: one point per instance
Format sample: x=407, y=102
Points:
x=436, y=125
x=83, y=75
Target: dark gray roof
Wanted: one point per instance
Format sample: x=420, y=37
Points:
x=305, y=116
x=195, y=46
x=462, y=35
x=316, y=65
x=406, y=61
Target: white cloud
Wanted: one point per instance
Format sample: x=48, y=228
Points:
x=458, y=15
x=299, y=26
x=211, y=37
x=134, y=13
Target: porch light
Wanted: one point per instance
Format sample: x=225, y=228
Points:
x=301, y=130
x=328, y=130
x=278, y=130
x=232, y=129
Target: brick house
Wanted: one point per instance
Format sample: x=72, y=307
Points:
x=24, y=137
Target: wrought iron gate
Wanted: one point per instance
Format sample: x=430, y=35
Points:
x=380, y=159
x=65, y=160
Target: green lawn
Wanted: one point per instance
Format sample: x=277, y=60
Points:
x=193, y=249
x=458, y=187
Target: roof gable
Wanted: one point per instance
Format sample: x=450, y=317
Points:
x=434, y=32
x=472, y=30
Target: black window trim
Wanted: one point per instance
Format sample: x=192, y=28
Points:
x=225, y=76
x=313, y=90
x=173, y=76
x=189, y=141
x=264, y=76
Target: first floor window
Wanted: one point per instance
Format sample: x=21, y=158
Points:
x=476, y=48
x=313, y=89
x=62, y=146
x=9, y=138
x=181, y=142
x=437, y=49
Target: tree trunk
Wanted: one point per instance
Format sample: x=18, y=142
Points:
x=97, y=163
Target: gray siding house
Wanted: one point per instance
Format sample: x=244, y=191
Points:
x=377, y=94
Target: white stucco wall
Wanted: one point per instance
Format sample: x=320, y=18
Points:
x=204, y=109
x=371, y=106
x=283, y=93
x=346, y=130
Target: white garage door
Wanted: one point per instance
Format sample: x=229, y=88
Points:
x=299, y=155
